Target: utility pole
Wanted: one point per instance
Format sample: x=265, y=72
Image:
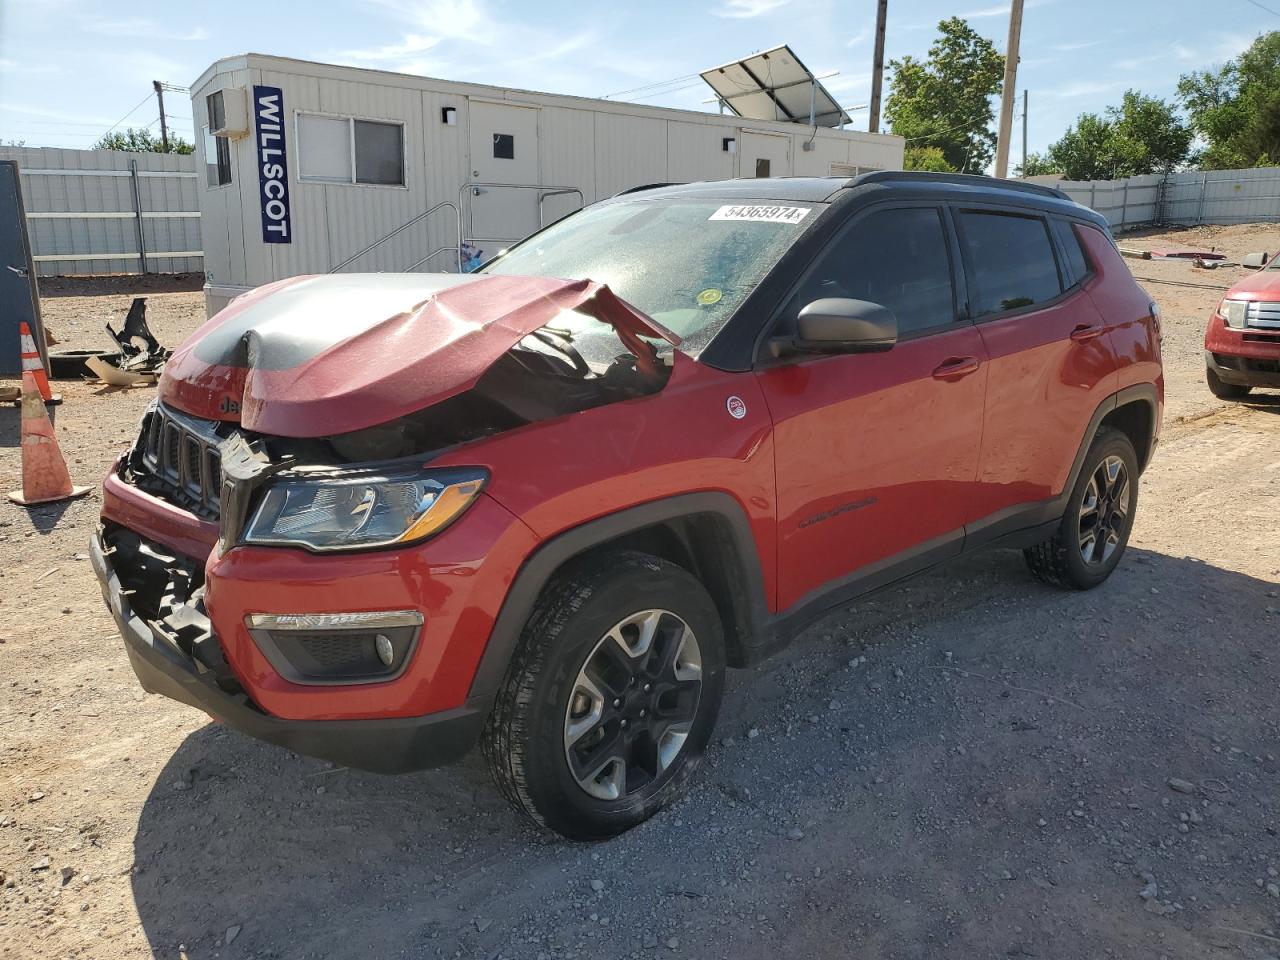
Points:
x=1024, y=131
x=877, y=70
x=164, y=125
x=1007, y=91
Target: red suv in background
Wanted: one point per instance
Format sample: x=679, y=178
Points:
x=1242, y=343
x=379, y=519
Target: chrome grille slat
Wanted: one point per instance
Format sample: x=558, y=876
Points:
x=181, y=455
x=1262, y=314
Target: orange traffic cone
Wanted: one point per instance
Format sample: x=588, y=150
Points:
x=31, y=362
x=44, y=472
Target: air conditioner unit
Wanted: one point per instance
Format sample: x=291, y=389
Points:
x=228, y=111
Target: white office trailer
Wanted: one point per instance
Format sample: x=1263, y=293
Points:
x=309, y=168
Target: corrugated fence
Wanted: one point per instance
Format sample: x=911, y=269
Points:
x=105, y=211
x=1196, y=196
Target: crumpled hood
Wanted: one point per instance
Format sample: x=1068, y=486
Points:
x=317, y=356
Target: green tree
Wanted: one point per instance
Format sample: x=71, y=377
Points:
x=141, y=140
x=1142, y=135
x=944, y=101
x=1086, y=151
x=1237, y=108
x=931, y=159
x=1037, y=165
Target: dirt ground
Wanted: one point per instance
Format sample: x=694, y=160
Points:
x=971, y=765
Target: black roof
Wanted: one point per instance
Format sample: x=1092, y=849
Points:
x=826, y=189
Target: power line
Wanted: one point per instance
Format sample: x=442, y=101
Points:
x=1274, y=13
x=649, y=86
x=129, y=114
x=664, y=93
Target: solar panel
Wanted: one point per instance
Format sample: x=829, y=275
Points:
x=774, y=85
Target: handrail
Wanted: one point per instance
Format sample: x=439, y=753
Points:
x=434, y=253
x=403, y=227
x=547, y=191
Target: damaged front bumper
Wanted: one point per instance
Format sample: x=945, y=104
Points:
x=199, y=679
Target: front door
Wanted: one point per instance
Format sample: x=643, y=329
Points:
x=877, y=453
x=504, y=150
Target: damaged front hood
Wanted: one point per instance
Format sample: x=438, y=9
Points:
x=324, y=355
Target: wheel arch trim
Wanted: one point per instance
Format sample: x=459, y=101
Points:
x=543, y=564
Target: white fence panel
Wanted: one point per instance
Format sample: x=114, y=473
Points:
x=1196, y=196
x=94, y=212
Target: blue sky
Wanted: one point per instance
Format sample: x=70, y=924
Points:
x=70, y=69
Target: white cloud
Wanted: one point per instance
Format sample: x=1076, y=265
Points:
x=1083, y=88
x=1000, y=10
x=747, y=9
x=1078, y=45
x=13, y=66
x=859, y=37
x=139, y=27
x=412, y=44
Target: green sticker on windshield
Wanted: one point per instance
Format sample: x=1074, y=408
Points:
x=709, y=296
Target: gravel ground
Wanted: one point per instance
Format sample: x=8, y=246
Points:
x=971, y=765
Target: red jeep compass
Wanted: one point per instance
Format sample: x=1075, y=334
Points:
x=378, y=519
x=1242, y=342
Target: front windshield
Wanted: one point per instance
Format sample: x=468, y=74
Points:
x=686, y=263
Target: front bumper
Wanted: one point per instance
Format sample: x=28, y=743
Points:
x=1243, y=371
x=1248, y=357
x=394, y=745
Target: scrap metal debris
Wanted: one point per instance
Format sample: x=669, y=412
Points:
x=141, y=357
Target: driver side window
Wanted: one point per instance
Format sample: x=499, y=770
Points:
x=897, y=258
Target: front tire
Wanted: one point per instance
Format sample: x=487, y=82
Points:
x=1223, y=390
x=1094, y=531
x=610, y=698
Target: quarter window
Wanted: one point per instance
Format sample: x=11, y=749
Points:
x=346, y=150
x=1070, y=241
x=896, y=258
x=1012, y=261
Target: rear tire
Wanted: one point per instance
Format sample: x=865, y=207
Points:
x=1224, y=391
x=610, y=697
x=1094, y=531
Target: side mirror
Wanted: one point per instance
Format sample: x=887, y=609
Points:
x=1258, y=259
x=840, y=325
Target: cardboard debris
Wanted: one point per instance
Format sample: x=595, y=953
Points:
x=115, y=376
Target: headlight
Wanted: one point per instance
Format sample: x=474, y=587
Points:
x=361, y=509
x=1233, y=312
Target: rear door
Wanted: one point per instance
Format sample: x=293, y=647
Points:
x=1051, y=363
x=877, y=453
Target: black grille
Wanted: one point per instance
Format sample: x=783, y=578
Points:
x=340, y=653
x=177, y=458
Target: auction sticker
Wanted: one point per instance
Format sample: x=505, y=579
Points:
x=761, y=213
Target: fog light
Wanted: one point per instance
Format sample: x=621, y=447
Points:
x=341, y=648
x=386, y=652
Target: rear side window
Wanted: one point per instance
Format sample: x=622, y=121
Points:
x=1077, y=264
x=1012, y=261
x=897, y=258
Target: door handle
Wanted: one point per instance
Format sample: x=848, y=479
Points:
x=955, y=368
x=1087, y=331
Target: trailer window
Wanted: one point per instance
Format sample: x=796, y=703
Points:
x=217, y=150
x=217, y=160
x=347, y=150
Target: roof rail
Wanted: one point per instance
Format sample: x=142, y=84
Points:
x=959, y=179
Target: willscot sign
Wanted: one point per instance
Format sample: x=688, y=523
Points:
x=273, y=164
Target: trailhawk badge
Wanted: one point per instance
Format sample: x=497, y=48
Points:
x=737, y=409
